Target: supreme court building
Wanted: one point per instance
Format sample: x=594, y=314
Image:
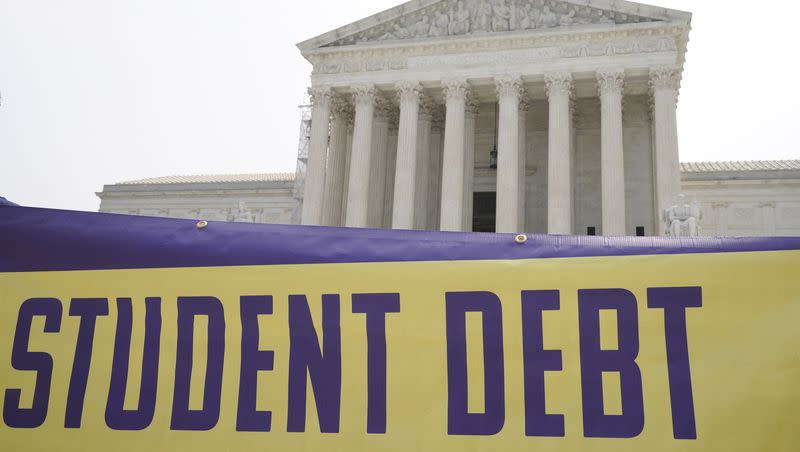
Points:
x=577, y=98
x=542, y=116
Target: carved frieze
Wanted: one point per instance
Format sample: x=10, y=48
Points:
x=531, y=49
x=468, y=17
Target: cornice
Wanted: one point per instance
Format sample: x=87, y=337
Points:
x=575, y=44
x=512, y=39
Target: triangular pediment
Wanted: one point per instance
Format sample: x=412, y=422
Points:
x=437, y=19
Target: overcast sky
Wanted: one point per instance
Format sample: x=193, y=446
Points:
x=101, y=91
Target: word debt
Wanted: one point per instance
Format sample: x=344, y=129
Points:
x=315, y=355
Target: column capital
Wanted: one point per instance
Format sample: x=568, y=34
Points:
x=320, y=94
x=408, y=91
x=558, y=83
x=508, y=85
x=610, y=81
x=473, y=108
x=364, y=94
x=455, y=89
x=524, y=102
x=665, y=78
x=383, y=108
x=341, y=108
x=426, y=108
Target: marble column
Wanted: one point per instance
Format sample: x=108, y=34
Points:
x=524, y=105
x=452, y=210
x=337, y=162
x=391, y=162
x=358, y=192
x=612, y=162
x=559, y=154
x=405, y=178
x=664, y=83
x=469, y=161
x=436, y=149
x=509, y=92
x=378, y=167
x=349, y=151
x=421, y=190
x=317, y=155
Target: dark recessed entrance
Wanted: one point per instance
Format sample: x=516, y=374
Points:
x=484, y=205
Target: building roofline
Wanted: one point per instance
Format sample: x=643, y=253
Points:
x=654, y=12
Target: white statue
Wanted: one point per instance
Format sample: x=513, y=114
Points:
x=501, y=16
x=568, y=19
x=459, y=20
x=525, y=21
x=547, y=18
x=483, y=14
x=422, y=28
x=397, y=32
x=244, y=215
x=440, y=24
x=683, y=219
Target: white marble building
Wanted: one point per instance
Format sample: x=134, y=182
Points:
x=542, y=81
x=737, y=198
x=746, y=198
x=254, y=198
x=545, y=116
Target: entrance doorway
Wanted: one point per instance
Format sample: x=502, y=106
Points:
x=484, y=206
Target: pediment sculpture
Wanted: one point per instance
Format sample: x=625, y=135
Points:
x=466, y=17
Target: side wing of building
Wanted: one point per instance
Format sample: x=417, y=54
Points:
x=258, y=198
x=758, y=198
x=736, y=198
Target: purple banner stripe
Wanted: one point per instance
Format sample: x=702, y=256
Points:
x=54, y=240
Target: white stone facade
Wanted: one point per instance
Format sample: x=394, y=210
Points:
x=745, y=198
x=260, y=198
x=736, y=198
x=578, y=98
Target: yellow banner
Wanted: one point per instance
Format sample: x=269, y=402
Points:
x=630, y=353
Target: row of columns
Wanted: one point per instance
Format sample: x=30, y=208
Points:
x=366, y=178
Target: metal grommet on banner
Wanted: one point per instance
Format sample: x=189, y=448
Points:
x=202, y=224
x=522, y=238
